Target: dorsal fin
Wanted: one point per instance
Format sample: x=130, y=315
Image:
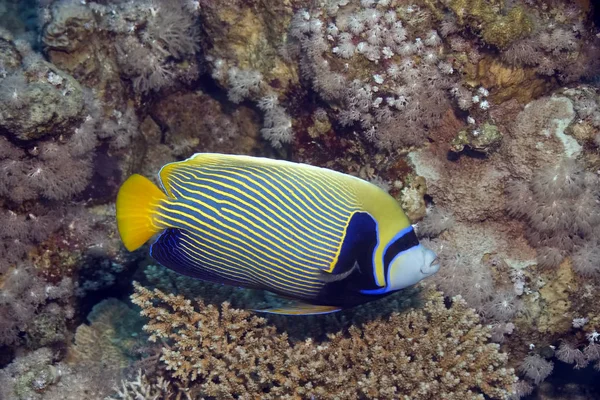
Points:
x=344, y=185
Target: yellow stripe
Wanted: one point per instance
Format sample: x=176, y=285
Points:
x=322, y=181
x=337, y=253
x=156, y=223
x=193, y=253
x=316, y=260
x=263, y=182
x=220, y=263
x=273, y=256
x=326, y=181
x=302, y=212
x=328, y=252
x=240, y=183
x=279, y=272
x=252, y=274
x=314, y=195
x=309, y=240
x=341, y=181
x=242, y=234
x=309, y=194
x=336, y=206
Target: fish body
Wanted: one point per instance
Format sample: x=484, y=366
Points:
x=327, y=239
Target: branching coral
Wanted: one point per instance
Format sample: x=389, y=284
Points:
x=140, y=387
x=434, y=352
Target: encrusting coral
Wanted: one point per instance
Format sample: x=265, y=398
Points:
x=433, y=352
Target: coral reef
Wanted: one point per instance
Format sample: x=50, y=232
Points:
x=107, y=339
x=436, y=351
x=482, y=118
x=38, y=376
x=363, y=59
x=141, y=388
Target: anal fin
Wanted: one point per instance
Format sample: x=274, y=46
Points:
x=300, y=308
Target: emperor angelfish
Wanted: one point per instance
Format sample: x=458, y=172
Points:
x=326, y=239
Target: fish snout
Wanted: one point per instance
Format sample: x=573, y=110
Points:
x=431, y=263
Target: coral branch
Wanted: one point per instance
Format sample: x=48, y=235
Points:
x=434, y=352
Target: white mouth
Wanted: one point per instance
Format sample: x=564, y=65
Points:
x=431, y=268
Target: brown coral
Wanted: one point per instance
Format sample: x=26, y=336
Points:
x=433, y=352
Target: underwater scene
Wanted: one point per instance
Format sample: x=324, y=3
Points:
x=299, y=199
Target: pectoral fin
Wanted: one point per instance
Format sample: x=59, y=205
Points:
x=299, y=308
x=330, y=277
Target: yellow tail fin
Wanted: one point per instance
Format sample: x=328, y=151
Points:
x=136, y=203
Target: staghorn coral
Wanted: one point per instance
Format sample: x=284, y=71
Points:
x=433, y=352
x=140, y=387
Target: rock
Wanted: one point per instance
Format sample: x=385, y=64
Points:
x=507, y=82
x=485, y=139
x=249, y=38
x=40, y=101
x=413, y=199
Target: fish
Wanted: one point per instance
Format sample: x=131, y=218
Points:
x=324, y=239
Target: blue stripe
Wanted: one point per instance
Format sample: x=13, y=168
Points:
x=266, y=229
x=291, y=207
x=238, y=245
x=247, y=268
x=296, y=182
x=167, y=250
x=294, y=256
x=243, y=194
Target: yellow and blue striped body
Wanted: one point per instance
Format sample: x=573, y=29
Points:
x=279, y=226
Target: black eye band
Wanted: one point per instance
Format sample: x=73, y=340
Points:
x=403, y=243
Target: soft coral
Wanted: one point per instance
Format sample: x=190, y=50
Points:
x=561, y=208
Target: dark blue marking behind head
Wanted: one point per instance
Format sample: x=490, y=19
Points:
x=403, y=241
x=358, y=247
